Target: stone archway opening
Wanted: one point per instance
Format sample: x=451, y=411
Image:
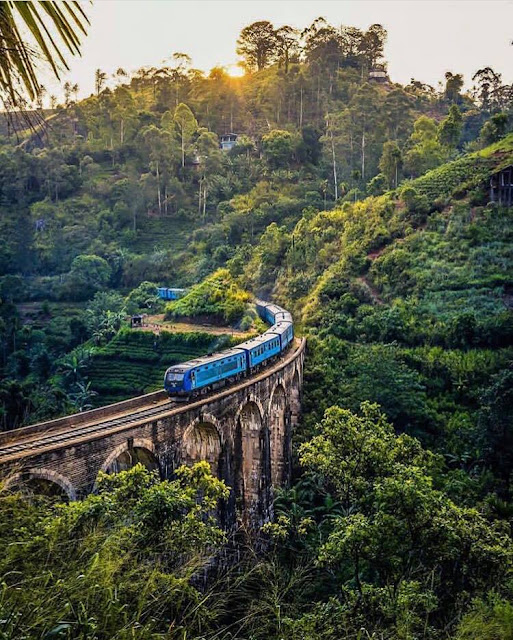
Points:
x=250, y=425
x=43, y=487
x=129, y=457
x=278, y=435
x=202, y=442
x=42, y=482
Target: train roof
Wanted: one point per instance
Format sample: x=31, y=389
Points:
x=256, y=341
x=269, y=305
x=275, y=308
x=279, y=327
x=182, y=367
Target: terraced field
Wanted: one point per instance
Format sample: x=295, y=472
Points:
x=134, y=362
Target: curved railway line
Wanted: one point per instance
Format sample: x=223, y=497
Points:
x=34, y=439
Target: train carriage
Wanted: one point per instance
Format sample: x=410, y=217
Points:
x=260, y=349
x=285, y=330
x=167, y=293
x=272, y=313
x=202, y=373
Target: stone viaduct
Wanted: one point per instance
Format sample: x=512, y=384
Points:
x=243, y=431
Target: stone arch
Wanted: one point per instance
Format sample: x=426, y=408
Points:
x=252, y=449
x=278, y=434
x=202, y=441
x=252, y=398
x=42, y=481
x=132, y=452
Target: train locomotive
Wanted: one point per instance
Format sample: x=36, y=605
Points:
x=201, y=375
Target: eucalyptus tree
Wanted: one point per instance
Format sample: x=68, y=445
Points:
x=488, y=84
x=186, y=126
x=100, y=78
x=391, y=163
x=288, y=45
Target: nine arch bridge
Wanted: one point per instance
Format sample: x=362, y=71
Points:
x=243, y=431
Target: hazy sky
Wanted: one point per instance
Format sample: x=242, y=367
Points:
x=425, y=38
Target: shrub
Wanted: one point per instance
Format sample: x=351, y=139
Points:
x=218, y=297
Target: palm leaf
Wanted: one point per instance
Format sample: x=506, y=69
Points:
x=54, y=30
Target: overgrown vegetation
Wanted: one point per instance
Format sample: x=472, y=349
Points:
x=116, y=564
x=218, y=298
x=362, y=207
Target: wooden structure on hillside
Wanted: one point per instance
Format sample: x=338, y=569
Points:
x=136, y=320
x=501, y=186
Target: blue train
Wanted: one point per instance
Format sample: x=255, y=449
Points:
x=212, y=371
x=167, y=293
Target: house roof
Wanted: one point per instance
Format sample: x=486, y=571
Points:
x=509, y=166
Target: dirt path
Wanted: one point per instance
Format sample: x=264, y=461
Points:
x=156, y=324
x=372, y=291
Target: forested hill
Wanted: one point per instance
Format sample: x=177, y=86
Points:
x=134, y=174
x=361, y=205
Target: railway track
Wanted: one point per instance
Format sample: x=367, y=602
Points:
x=53, y=439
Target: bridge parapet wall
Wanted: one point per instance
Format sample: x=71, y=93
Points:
x=92, y=416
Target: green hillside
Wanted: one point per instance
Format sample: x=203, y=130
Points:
x=362, y=206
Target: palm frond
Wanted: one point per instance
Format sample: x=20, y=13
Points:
x=53, y=31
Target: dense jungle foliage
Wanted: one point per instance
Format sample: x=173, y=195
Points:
x=362, y=206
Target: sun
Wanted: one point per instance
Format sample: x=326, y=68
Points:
x=235, y=71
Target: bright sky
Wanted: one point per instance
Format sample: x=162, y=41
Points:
x=426, y=38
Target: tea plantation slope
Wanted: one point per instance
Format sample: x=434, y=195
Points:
x=133, y=363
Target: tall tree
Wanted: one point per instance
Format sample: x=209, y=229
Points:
x=391, y=163
x=99, y=81
x=120, y=75
x=364, y=105
x=67, y=93
x=373, y=43
x=258, y=45
x=449, y=130
x=453, y=87
x=186, y=126
x=210, y=160
x=323, y=44
x=162, y=152
x=425, y=151
x=397, y=111
x=350, y=40
x=288, y=45
x=487, y=87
